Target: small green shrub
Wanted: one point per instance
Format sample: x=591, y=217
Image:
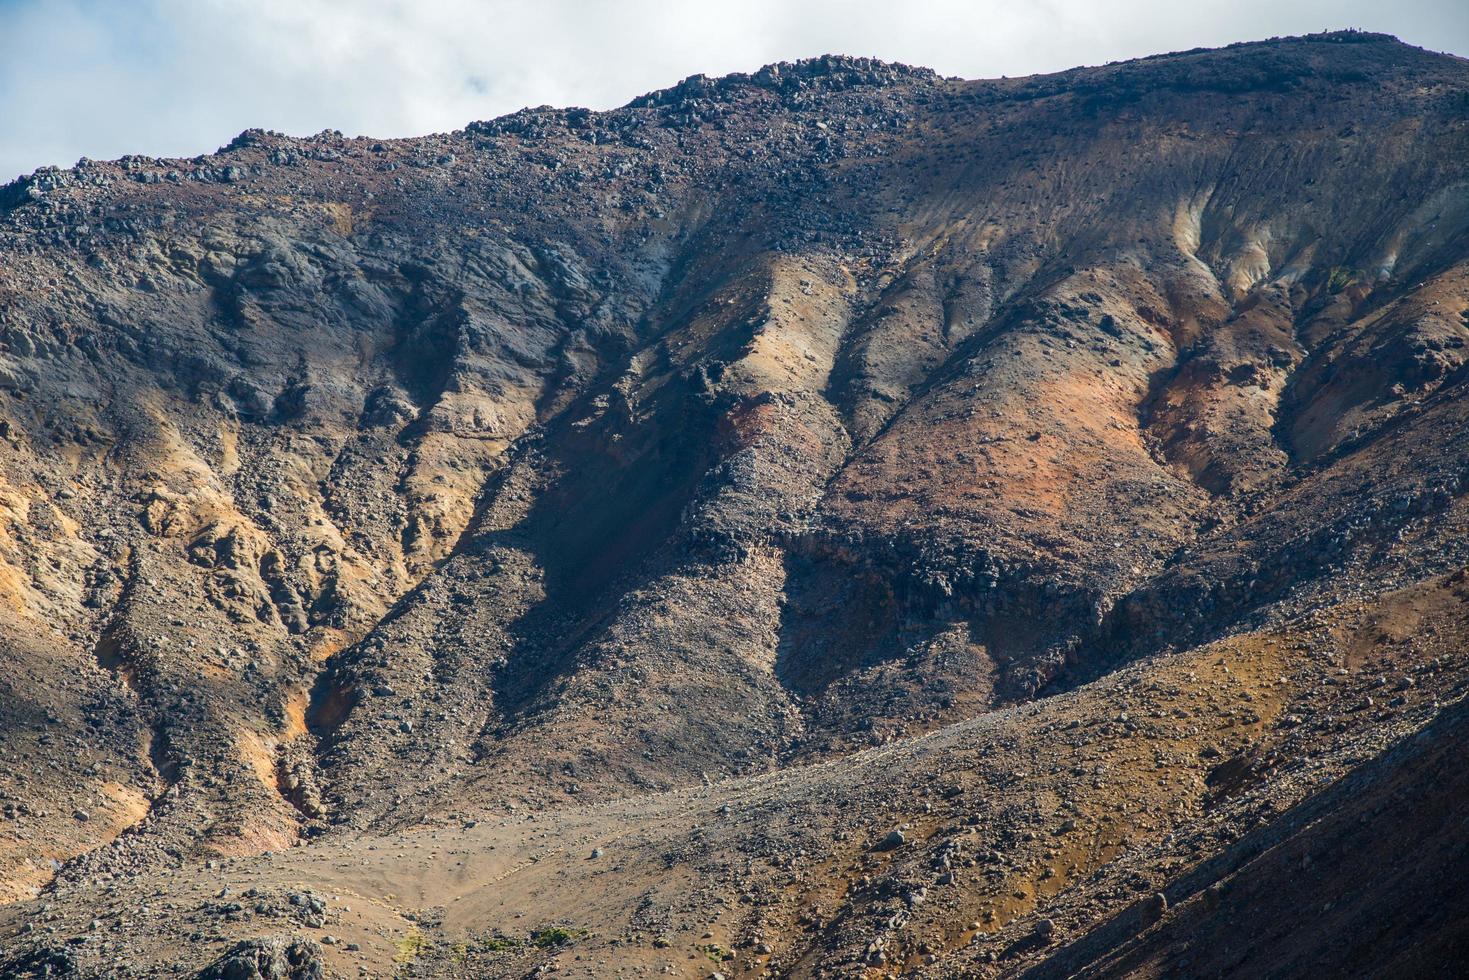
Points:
x=499, y=944
x=556, y=936
x=410, y=947
x=1340, y=277
x=716, y=952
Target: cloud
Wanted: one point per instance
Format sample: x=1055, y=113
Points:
x=178, y=77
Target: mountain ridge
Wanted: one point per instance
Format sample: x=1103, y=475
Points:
x=793, y=460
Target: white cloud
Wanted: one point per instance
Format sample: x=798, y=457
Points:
x=177, y=77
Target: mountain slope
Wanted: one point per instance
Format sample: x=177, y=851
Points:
x=1064, y=470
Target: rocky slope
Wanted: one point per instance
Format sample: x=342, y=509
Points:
x=830, y=521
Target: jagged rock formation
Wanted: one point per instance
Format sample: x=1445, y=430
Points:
x=834, y=520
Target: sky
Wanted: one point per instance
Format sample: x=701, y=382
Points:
x=102, y=78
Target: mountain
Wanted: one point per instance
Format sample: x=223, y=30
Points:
x=831, y=521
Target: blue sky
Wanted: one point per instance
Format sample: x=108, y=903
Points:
x=101, y=78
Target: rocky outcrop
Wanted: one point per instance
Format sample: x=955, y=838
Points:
x=268, y=959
